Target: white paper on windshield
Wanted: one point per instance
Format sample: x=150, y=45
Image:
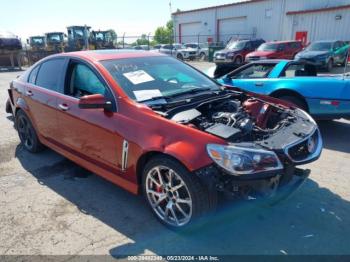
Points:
x=146, y=94
x=138, y=77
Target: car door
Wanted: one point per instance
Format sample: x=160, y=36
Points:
x=42, y=89
x=88, y=133
x=253, y=78
x=338, y=52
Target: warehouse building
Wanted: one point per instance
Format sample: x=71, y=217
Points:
x=306, y=20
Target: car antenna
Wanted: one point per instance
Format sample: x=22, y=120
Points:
x=346, y=64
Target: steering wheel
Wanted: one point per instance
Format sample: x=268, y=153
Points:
x=173, y=80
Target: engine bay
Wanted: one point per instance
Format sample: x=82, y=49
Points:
x=235, y=119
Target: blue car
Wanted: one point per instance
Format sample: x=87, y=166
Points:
x=324, y=97
x=325, y=54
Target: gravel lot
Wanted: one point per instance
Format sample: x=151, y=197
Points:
x=48, y=205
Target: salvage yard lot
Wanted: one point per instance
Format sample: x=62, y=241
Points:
x=48, y=205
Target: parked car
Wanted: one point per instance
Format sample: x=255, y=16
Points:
x=202, y=49
x=233, y=56
x=179, y=51
x=198, y=138
x=235, y=52
x=276, y=50
x=325, y=54
x=324, y=97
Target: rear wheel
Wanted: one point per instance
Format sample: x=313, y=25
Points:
x=202, y=56
x=295, y=100
x=175, y=196
x=27, y=133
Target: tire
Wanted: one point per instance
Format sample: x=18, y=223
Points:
x=295, y=100
x=344, y=62
x=330, y=65
x=238, y=60
x=202, y=56
x=164, y=197
x=8, y=107
x=27, y=133
x=180, y=57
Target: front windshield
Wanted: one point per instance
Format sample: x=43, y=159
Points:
x=191, y=46
x=268, y=47
x=236, y=45
x=145, y=78
x=37, y=40
x=54, y=37
x=320, y=46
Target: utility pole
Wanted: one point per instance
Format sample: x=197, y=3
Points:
x=173, y=21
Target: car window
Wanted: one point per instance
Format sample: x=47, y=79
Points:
x=83, y=81
x=248, y=45
x=33, y=74
x=50, y=73
x=299, y=70
x=255, y=71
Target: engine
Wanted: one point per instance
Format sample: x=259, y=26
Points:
x=236, y=120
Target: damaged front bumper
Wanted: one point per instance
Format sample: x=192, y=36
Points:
x=274, y=186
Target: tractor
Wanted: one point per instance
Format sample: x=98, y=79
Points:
x=36, y=43
x=78, y=38
x=55, y=42
x=103, y=39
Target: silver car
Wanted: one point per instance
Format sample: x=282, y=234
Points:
x=179, y=51
x=202, y=49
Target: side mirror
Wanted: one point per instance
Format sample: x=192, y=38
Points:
x=94, y=102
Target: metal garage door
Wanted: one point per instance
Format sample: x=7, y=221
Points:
x=189, y=32
x=232, y=27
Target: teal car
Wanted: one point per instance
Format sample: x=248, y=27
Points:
x=325, y=54
x=324, y=97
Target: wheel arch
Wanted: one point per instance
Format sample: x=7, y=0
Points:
x=288, y=92
x=143, y=159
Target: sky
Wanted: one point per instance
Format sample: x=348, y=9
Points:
x=134, y=17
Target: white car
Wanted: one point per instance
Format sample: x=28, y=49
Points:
x=179, y=51
x=202, y=49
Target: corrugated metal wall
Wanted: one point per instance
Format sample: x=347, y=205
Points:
x=268, y=20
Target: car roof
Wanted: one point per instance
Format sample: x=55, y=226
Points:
x=283, y=42
x=326, y=41
x=110, y=54
x=269, y=61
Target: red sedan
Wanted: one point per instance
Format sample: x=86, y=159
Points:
x=150, y=123
x=276, y=50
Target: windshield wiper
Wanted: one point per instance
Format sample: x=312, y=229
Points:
x=190, y=91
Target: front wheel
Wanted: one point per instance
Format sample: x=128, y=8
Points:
x=180, y=57
x=330, y=65
x=175, y=195
x=238, y=60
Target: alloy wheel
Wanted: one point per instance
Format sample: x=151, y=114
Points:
x=168, y=196
x=25, y=132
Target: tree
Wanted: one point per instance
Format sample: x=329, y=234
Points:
x=142, y=41
x=164, y=34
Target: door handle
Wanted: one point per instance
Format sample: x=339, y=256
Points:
x=29, y=93
x=259, y=83
x=63, y=107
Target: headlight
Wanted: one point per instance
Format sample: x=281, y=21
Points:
x=240, y=160
x=230, y=54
